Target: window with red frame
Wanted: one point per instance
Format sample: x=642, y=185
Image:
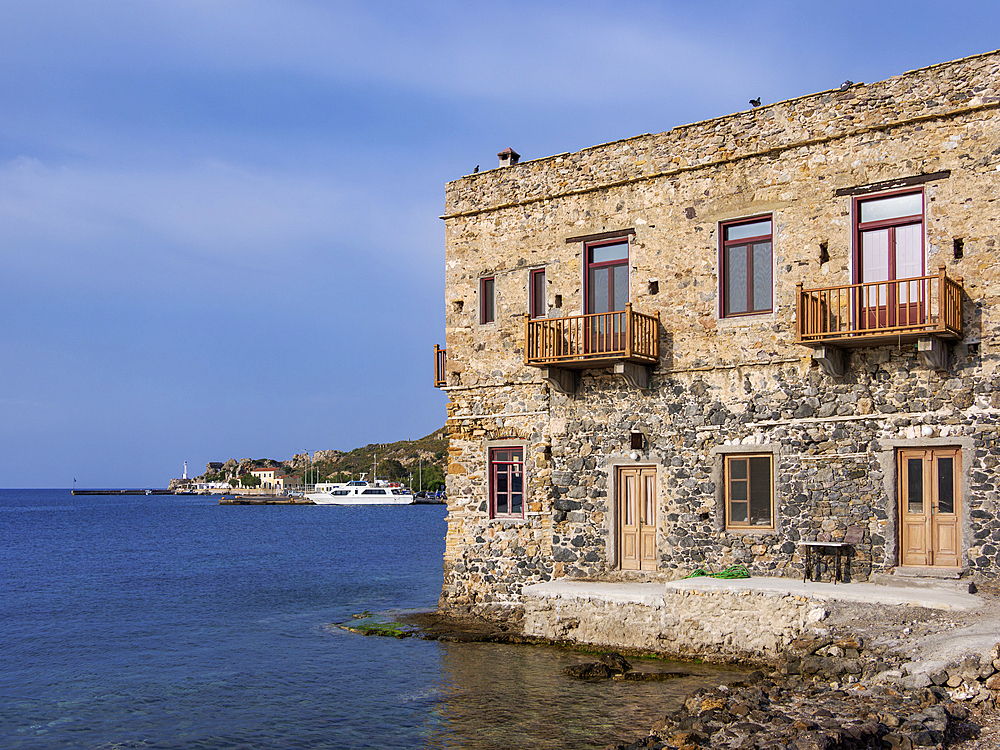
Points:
x=536, y=293
x=746, y=267
x=506, y=482
x=888, y=249
x=607, y=276
x=487, y=300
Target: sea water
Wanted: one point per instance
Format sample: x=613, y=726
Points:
x=173, y=622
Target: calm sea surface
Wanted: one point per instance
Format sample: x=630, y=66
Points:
x=172, y=622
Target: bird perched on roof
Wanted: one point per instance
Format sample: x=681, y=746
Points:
x=846, y=84
x=476, y=169
x=755, y=102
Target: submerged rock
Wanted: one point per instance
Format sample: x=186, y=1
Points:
x=611, y=664
x=590, y=671
x=616, y=662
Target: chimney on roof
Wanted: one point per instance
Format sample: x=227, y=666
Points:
x=508, y=157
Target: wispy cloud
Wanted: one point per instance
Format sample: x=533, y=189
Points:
x=213, y=211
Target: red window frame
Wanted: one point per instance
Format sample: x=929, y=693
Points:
x=746, y=245
x=890, y=224
x=895, y=304
x=537, y=306
x=487, y=300
x=590, y=266
x=506, y=482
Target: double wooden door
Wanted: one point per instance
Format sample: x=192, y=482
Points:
x=637, y=529
x=930, y=507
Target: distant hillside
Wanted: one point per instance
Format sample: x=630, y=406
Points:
x=427, y=456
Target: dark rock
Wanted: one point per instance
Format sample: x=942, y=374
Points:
x=739, y=709
x=590, y=671
x=562, y=554
x=650, y=676
x=564, y=504
x=616, y=662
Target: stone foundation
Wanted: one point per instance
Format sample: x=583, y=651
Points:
x=742, y=626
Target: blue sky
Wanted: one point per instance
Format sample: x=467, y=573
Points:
x=219, y=218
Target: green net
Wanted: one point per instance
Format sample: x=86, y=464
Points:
x=733, y=571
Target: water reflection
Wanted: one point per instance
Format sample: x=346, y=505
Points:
x=502, y=697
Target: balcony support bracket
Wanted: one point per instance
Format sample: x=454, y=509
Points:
x=934, y=352
x=830, y=360
x=635, y=375
x=563, y=380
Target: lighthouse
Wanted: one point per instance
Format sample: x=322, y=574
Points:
x=185, y=470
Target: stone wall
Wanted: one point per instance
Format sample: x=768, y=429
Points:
x=723, y=384
x=867, y=111
x=742, y=626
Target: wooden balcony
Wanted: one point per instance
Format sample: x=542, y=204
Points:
x=440, y=358
x=625, y=340
x=883, y=312
x=921, y=309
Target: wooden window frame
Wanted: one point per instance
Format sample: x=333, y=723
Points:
x=749, y=525
x=509, y=466
x=537, y=308
x=724, y=247
x=487, y=300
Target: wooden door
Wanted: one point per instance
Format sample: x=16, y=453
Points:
x=637, y=518
x=930, y=507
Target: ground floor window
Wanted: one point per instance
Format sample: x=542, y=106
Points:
x=749, y=491
x=506, y=482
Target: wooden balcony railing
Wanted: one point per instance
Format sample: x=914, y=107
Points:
x=440, y=358
x=880, y=312
x=594, y=340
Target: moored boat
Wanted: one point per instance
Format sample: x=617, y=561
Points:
x=360, y=492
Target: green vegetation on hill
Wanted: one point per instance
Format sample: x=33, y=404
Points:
x=426, y=457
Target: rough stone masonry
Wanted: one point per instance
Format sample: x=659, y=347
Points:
x=833, y=423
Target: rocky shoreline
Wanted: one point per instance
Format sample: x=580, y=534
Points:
x=868, y=677
x=829, y=694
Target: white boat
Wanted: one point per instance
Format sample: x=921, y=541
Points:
x=360, y=492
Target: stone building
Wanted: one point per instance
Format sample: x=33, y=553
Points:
x=707, y=346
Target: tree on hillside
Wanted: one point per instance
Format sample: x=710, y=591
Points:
x=433, y=477
x=392, y=469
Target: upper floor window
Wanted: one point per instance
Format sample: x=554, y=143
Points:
x=607, y=276
x=890, y=238
x=536, y=293
x=506, y=482
x=746, y=267
x=749, y=491
x=487, y=300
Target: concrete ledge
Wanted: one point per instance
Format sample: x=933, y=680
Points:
x=751, y=619
x=932, y=597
